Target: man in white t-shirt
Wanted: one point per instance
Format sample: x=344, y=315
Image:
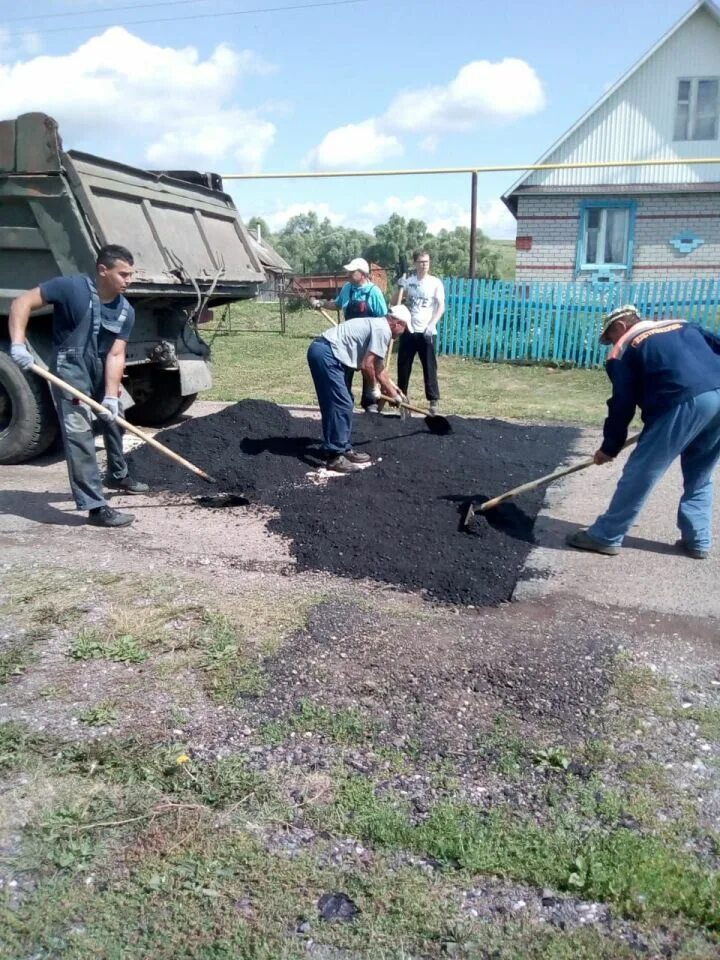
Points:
x=424, y=296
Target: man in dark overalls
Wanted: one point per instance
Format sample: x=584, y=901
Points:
x=92, y=322
x=359, y=297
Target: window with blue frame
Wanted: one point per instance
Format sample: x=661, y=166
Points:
x=606, y=234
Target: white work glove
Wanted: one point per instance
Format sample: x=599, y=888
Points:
x=376, y=391
x=111, y=411
x=315, y=303
x=430, y=332
x=22, y=356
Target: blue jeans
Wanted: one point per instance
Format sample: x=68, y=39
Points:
x=691, y=431
x=333, y=392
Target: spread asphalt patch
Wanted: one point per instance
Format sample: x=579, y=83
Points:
x=400, y=520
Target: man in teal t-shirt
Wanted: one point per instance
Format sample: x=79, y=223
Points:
x=359, y=297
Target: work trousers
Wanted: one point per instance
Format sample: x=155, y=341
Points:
x=79, y=444
x=410, y=344
x=691, y=431
x=332, y=381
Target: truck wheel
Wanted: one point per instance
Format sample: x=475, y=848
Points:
x=28, y=424
x=158, y=399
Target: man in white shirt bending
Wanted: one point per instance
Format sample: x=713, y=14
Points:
x=424, y=296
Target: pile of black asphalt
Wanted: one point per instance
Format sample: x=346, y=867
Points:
x=398, y=521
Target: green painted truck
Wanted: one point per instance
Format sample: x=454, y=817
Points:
x=192, y=252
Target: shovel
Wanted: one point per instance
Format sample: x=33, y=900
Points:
x=130, y=427
x=436, y=424
x=471, y=510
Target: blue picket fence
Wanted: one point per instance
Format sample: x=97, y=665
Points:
x=558, y=322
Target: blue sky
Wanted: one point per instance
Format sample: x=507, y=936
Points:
x=367, y=84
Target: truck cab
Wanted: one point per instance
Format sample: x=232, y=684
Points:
x=191, y=249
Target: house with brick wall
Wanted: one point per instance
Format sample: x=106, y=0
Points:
x=634, y=223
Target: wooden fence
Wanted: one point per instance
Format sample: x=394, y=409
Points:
x=558, y=322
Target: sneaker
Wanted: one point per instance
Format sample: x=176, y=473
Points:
x=107, y=517
x=341, y=464
x=354, y=456
x=695, y=552
x=582, y=540
x=127, y=485
x=372, y=408
x=434, y=408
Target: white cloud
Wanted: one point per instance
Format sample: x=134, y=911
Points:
x=277, y=218
x=116, y=89
x=481, y=92
x=354, y=145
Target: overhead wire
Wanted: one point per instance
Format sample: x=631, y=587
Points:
x=94, y=10
x=193, y=16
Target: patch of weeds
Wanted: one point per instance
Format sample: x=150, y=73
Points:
x=503, y=749
x=707, y=719
x=64, y=839
x=56, y=615
x=170, y=770
x=551, y=758
x=228, y=671
x=346, y=725
x=101, y=715
x=640, y=688
x=19, y=747
x=92, y=645
x=645, y=875
x=14, y=660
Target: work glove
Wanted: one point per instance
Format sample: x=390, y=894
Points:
x=315, y=303
x=111, y=409
x=430, y=333
x=22, y=356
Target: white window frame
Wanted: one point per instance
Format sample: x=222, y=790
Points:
x=629, y=207
x=692, y=110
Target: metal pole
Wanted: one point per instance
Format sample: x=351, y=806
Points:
x=473, y=222
x=500, y=168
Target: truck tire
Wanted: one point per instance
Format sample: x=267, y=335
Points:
x=160, y=400
x=28, y=424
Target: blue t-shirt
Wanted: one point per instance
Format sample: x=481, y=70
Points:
x=70, y=297
x=367, y=291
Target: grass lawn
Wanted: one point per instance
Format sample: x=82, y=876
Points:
x=255, y=360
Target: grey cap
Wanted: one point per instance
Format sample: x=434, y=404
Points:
x=627, y=310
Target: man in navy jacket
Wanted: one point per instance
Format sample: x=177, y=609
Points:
x=670, y=369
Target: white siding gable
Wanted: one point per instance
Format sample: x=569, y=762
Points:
x=635, y=120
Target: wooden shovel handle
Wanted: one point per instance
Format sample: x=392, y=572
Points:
x=548, y=478
x=130, y=427
x=327, y=316
x=407, y=406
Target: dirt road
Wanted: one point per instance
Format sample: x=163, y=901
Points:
x=190, y=713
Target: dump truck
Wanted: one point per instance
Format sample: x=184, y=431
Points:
x=191, y=249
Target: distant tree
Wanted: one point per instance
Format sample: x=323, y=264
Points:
x=450, y=251
x=265, y=231
x=396, y=240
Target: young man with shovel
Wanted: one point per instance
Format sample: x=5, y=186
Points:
x=333, y=358
x=671, y=370
x=92, y=322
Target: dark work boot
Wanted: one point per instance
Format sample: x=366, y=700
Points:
x=355, y=456
x=127, y=485
x=340, y=464
x=107, y=517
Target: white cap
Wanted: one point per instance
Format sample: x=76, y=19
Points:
x=359, y=263
x=400, y=312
